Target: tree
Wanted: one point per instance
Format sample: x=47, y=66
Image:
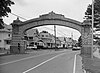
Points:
x=80, y=42
x=88, y=15
x=5, y=8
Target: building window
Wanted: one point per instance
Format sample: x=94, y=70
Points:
x=48, y=44
x=8, y=42
x=0, y=40
x=42, y=35
x=8, y=35
x=46, y=35
x=31, y=38
x=35, y=43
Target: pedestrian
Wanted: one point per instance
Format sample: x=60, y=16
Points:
x=19, y=47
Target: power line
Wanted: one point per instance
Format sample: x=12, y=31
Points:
x=59, y=32
x=18, y=16
x=53, y=30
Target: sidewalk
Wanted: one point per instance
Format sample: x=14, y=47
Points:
x=96, y=54
x=2, y=52
x=5, y=52
x=92, y=65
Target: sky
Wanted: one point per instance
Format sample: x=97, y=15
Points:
x=29, y=9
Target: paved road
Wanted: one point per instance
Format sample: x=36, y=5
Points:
x=62, y=62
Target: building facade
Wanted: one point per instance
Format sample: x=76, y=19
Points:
x=46, y=38
x=32, y=37
x=67, y=42
x=49, y=40
x=5, y=36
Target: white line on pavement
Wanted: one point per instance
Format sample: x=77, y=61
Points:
x=43, y=62
x=28, y=58
x=74, y=67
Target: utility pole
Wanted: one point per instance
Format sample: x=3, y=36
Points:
x=55, y=34
x=92, y=26
x=72, y=35
x=72, y=38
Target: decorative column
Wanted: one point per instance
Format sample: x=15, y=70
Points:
x=86, y=39
x=16, y=38
x=90, y=65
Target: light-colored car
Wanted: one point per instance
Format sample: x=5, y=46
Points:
x=32, y=47
x=76, y=48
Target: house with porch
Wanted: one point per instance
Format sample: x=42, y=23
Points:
x=49, y=39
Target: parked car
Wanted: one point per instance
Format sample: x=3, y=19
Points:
x=40, y=45
x=32, y=47
x=76, y=48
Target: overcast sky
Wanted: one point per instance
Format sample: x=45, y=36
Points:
x=28, y=9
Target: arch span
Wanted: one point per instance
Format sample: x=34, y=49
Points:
x=50, y=19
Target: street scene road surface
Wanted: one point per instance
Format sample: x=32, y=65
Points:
x=65, y=61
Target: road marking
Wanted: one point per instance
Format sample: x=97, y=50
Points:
x=28, y=58
x=74, y=67
x=43, y=62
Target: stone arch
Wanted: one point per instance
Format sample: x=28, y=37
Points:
x=50, y=19
x=50, y=22
x=19, y=28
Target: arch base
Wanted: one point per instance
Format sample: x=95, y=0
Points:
x=15, y=50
